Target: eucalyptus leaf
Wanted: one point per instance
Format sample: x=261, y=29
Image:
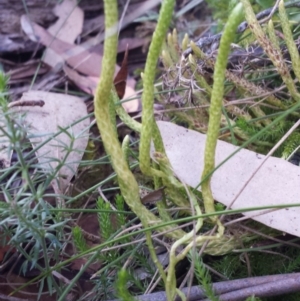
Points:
x=276, y=182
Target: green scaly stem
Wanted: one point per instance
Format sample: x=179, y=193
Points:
x=271, y=50
x=160, y=32
x=289, y=40
x=128, y=185
x=215, y=110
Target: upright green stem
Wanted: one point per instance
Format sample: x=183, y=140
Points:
x=289, y=39
x=128, y=185
x=158, y=38
x=215, y=110
x=127, y=182
x=272, y=51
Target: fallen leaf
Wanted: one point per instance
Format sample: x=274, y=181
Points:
x=9, y=43
x=84, y=61
x=153, y=196
x=59, y=111
x=67, y=28
x=125, y=87
x=121, y=77
x=69, y=23
x=89, y=85
x=26, y=70
x=276, y=182
x=123, y=44
x=130, y=43
x=85, y=83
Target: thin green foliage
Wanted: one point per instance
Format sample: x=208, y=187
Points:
x=36, y=225
x=230, y=266
x=104, y=216
x=106, y=227
x=121, y=286
x=121, y=221
x=202, y=275
x=27, y=224
x=291, y=144
x=79, y=240
x=215, y=108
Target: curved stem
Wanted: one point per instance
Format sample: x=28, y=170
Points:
x=271, y=50
x=127, y=182
x=215, y=110
x=160, y=32
x=288, y=37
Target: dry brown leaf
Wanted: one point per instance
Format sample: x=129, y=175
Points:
x=123, y=44
x=70, y=21
x=89, y=84
x=67, y=28
x=125, y=87
x=84, y=62
x=26, y=70
x=276, y=182
x=130, y=43
x=85, y=83
x=121, y=77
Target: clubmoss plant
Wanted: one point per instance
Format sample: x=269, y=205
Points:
x=79, y=240
x=103, y=97
x=121, y=286
x=202, y=275
x=293, y=50
x=35, y=225
x=271, y=50
x=215, y=109
x=161, y=171
x=252, y=95
x=148, y=128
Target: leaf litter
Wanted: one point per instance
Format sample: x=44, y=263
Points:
x=85, y=76
x=59, y=113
